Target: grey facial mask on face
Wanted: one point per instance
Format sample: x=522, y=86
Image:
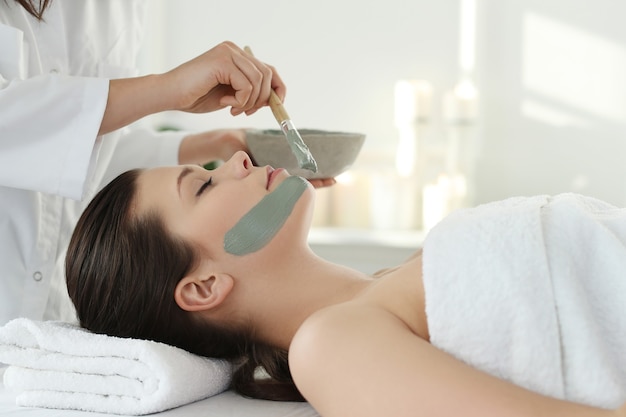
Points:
x=258, y=226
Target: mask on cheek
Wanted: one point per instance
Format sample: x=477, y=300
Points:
x=258, y=226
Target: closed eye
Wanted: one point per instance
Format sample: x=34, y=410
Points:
x=204, y=186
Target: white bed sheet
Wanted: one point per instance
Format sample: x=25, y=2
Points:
x=227, y=404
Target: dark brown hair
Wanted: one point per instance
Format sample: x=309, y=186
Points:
x=121, y=272
x=35, y=7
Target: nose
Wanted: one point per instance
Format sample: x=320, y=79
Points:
x=239, y=165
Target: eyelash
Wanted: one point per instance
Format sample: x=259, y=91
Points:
x=204, y=186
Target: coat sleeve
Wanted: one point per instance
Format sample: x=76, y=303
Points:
x=48, y=132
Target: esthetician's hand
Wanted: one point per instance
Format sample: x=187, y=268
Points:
x=322, y=182
x=224, y=76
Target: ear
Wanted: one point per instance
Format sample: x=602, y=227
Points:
x=197, y=293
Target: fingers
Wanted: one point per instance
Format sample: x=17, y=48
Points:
x=225, y=76
x=322, y=182
x=252, y=84
x=278, y=85
x=271, y=81
x=252, y=81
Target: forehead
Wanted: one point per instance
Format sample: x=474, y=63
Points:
x=156, y=186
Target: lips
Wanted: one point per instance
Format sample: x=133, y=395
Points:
x=270, y=171
x=271, y=175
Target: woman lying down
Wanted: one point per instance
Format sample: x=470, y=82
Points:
x=514, y=308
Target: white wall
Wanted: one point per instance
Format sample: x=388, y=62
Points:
x=553, y=85
x=551, y=76
x=339, y=59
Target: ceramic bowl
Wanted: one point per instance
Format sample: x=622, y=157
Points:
x=334, y=152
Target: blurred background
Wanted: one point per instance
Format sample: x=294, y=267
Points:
x=463, y=101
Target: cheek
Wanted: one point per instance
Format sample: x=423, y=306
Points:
x=217, y=215
x=263, y=221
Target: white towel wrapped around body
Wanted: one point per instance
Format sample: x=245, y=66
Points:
x=533, y=290
x=59, y=365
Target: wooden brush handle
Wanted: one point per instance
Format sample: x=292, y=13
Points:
x=275, y=104
x=277, y=108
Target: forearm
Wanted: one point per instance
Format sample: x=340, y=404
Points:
x=130, y=99
x=210, y=146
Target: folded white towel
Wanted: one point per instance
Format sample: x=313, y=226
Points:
x=60, y=365
x=533, y=290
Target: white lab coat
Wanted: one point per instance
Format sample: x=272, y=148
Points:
x=53, y=90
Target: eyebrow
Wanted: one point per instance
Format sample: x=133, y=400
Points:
x=186, y=171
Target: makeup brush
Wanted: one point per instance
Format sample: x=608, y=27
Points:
x=297, y=145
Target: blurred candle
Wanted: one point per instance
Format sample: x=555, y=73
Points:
x=441, y=198
x=406, y=153
x=460, y=105
x=393, y=205
x=321, y=213
x=350, y=200
x=412, y=102
x=467, y=32
x=412, y=107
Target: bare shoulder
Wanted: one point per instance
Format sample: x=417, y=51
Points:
x=334, y=328
x=325, y=333
x=331, y=355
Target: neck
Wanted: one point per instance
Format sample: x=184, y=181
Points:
x=288, y=294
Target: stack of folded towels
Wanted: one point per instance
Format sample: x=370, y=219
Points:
x=59, y=365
